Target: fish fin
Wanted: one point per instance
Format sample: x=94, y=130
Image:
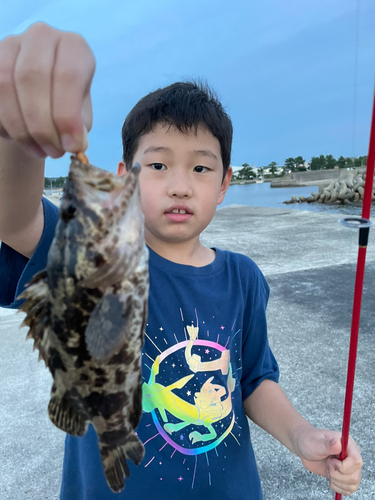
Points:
x=65, y=416
x=114, y=460
x=105, y=333
x=107, y=274
x=36, y=307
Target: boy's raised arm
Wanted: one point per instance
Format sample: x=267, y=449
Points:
x=45, y=110
x=269, y=408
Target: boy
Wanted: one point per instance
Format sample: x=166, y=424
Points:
x=206, y=360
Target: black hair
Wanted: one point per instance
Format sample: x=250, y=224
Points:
x=184, y=105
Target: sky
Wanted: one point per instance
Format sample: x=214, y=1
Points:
x=296, y=76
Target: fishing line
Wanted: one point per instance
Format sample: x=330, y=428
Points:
x=355, y=89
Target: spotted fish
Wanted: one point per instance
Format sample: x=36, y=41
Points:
x=87, y=311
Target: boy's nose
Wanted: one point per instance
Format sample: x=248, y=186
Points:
x=180, y=187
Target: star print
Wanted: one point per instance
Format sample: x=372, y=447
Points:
x=173, y=365
x=222, y=327
x=161, y=329
x=180, y=478
x=188, y=393
x=181, y=437
x=207, y=351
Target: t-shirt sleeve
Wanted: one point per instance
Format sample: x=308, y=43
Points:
x=258, y=362
x=16, y=270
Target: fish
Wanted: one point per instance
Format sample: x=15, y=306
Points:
x=87, y=310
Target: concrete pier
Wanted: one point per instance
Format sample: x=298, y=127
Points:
x=309, y=261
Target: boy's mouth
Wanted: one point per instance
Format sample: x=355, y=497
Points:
x=178, y=213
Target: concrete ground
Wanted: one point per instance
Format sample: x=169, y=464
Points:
x=309, y=261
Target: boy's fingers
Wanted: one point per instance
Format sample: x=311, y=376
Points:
x=71, y=101
x=45, y=78
x=346, y=468
x=12, y=124
x=33, y=76
x=344, y=477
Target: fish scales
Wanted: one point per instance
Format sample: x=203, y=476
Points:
x=87, y=312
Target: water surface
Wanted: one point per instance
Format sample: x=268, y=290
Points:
x=262, y=195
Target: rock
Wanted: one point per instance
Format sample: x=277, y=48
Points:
x=361, y=191
x=359, y=182
x=302, y=199
x=349, y=181
x=343, y=190
x=356, y=197
x=333, y=195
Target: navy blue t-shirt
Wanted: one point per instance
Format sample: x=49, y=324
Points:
x=205, y=351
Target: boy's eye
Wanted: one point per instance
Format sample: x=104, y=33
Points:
x=158, y=166
x=200, y=169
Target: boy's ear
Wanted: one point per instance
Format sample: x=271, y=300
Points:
x=121, y=169
x=225, y=185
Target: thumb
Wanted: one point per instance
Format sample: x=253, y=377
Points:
x=331, y=445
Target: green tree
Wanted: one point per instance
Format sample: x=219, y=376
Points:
x=289, y=164
x=299, y=161
x=330, y=161
x=349, y=162
x=246, y=172
x=341, y=162
x=318, y=162
x=363, y=160
x=272, y=167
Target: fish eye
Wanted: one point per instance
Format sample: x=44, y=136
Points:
x=68, y=213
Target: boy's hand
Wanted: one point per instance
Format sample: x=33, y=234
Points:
x=45, y=78
x=319, y=451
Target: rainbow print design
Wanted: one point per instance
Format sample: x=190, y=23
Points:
x=195, y=408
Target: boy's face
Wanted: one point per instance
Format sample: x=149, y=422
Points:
x=181, y=183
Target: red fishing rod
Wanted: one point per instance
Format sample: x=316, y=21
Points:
x=363, y=224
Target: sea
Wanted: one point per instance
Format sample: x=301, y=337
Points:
x=262, y=195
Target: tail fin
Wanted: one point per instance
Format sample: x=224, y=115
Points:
x=114, y=460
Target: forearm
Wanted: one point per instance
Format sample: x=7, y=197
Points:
x=269, y=408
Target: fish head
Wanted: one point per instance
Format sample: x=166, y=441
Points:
x=100, y=235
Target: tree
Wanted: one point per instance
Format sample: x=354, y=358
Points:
x=289, y=164
x=349, y=162
x=260, y=171
x=246, y=172
x=299, y=161
x=330, y=161
x=341, y=162
x=318, y=162
x=272, y=167
x=363, y=160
